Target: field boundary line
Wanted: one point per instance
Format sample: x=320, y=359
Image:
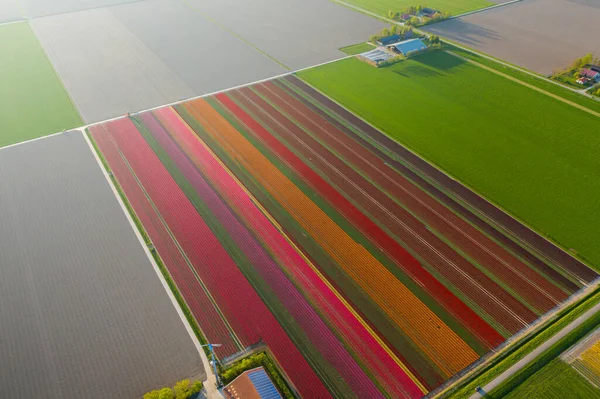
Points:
x=203, y=357
x=231, y=32
x=177, y=102
x=464, y=14
x=533, y=87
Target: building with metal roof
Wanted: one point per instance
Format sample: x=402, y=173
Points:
x=252, y=384
x=386, y=41
x=376, y=55
x=410, y=46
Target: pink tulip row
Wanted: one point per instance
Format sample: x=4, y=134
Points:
x=207, y=317
x=248, y=316
x=354, y=331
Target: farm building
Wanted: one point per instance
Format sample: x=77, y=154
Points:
x=583, y=81
x=409, y=46
x=252, y=384
x=595, y=68
x=388, y=40
x=590, y=74
x=376, y=56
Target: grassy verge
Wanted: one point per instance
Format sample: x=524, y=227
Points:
x=357, y=48
x=256, y=360
x=182, y=304
x=521, y=348
x=520, y=378
x=454, y=7
x=33, y=101
x=557, y=380
x=538, y=81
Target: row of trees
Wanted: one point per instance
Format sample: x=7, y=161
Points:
x=402, y=31
x=182, y=390
x=416, y=19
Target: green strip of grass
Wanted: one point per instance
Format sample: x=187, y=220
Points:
x=538, y=81
x=520, y=349
x=557, y=380
x=521, y=378
x=33, y=102
x=357, y=48
x=454, y=7
x=527, y=152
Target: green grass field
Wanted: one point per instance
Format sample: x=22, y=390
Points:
x=454, y=7
x=357, y=48
x=33, y=101
x=557, y=380
x=529, y=153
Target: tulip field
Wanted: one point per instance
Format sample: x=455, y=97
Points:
x=285, y=219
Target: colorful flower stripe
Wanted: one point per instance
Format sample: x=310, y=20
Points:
x=428, y=332
x=207, y=317
x=384, y=367
x=271, y=118
x=240, y=304
x=538, y=291
x=304, y=315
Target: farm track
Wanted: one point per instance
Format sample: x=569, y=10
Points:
x=486, y=212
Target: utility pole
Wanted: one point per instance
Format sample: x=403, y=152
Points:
x=214, y=361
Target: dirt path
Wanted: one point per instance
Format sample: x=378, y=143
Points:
x=557, y=97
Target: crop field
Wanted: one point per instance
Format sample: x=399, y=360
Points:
x=136, y=55
x=537, y=164
x=33, y=101
x=526, y=34
x=286, y=219
x=555, y=381
x=83, y=313
x=454, y=7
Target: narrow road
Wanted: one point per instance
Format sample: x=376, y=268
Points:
x=536, y=352
x=556, y=97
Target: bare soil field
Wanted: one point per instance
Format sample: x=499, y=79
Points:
x=539, y=35
x=9, y=11
x=298, y=33
x=83, y=313
x=137, y=55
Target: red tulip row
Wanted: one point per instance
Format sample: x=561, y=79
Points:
x=248, y=316
x=207, y=317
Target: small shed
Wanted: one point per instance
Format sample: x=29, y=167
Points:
x=386, y=41
x=410, y=46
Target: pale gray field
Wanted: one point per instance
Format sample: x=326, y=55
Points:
x=105, y=68
x=43, y=8
x=9, y=11
x=82, y=312
x=539, y=35
x=205, y=57
x=298, y=33
x=143, y=54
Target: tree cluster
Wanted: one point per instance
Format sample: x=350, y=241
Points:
x=393, y=30
x=182, y=390
x=415, y=16
x=576, y=66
